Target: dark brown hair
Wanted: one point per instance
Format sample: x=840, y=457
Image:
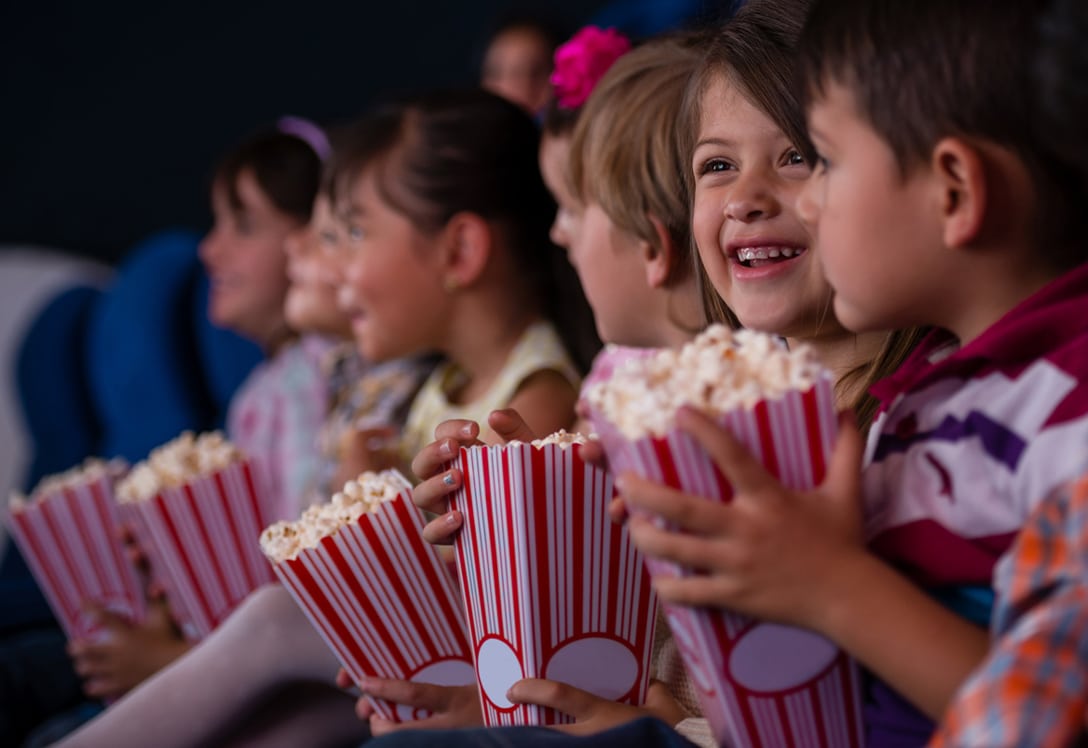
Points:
x=287, y=170
x=448, y=152
x=922, y=70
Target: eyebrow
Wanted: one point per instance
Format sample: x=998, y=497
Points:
x=713, y=141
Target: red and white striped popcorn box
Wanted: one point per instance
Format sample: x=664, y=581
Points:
x=759, y=684
x=553, y=588
x=70, y=540
x=384, y=601
x=202, y=542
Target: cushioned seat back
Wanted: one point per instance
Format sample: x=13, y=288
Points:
x=52, y=385
x=142, y=364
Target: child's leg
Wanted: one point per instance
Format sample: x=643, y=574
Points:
x=266, y=644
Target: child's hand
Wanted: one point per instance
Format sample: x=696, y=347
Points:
x=365, y=449
x=771, y=552
x=591, y=713
x=121, y=655
x=438, y=483
x=450, y=706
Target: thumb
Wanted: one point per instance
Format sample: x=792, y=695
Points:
x=510, y=426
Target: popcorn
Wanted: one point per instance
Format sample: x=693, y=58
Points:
x=378, y=594
x=176, y=463
x=561, y=438
x=285, y=540
x=194, y=506
x=721, y=370
x=92, y=470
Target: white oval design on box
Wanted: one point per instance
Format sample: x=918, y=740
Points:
x=442, y=673
x=498, y=669
x=597, y=664
x=769, y=657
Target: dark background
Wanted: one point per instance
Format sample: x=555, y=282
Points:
x=113, y=113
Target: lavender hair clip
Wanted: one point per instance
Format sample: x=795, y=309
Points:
x=306, y=130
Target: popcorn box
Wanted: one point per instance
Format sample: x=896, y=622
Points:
x=553, y=588
x=202, y=541
x=759, y=684
x=383, y=600
x=69, y=538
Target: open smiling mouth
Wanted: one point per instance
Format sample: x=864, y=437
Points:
x=754, y=257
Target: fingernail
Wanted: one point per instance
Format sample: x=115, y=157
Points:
x=365, y=684
x=446, y=450
x=447, y=479
x=466, y=430
x=451, y=518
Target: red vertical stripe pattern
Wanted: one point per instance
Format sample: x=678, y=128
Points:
x=70, y=541
x=549, y=579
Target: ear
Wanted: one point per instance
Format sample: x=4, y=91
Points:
x=467, y=241
x=961, y=178
x=660, y=258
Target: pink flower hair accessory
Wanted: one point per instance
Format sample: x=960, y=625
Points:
x=582, y=61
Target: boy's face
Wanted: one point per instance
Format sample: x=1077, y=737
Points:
x=877, y=232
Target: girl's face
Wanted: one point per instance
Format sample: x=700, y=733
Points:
x=246, y=263
x=751, y=241
x=313, y=270
x=392, y=284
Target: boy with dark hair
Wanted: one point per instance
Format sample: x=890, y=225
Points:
x=1032, y=689
x=935, y=203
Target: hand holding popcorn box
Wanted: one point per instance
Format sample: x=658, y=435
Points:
x=759, y=684
x=554, y=589
x=67, y=531
x=379, y=595
x=194, y=509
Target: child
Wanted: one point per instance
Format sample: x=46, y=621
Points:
x=265, y=672
x=1032, y=689
x=748, y=56
x=447, y=252
x=262, y=192
x=933, y=205
x=517, y=62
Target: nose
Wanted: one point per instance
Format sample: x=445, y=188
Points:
x=208, y=249
x=751, y=199
x=294, y=242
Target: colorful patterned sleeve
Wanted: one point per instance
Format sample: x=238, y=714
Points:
x=1032, y=689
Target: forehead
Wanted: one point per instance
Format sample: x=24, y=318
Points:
x=831, y=106
x=726, y=112
x=515, y=45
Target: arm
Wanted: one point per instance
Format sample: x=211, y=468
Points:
x=545, y=402
x=798, y=558
x=1033, y=687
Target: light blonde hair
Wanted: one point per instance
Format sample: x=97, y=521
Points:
x=626, y=153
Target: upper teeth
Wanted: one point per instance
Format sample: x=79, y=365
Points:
x=753, y=253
